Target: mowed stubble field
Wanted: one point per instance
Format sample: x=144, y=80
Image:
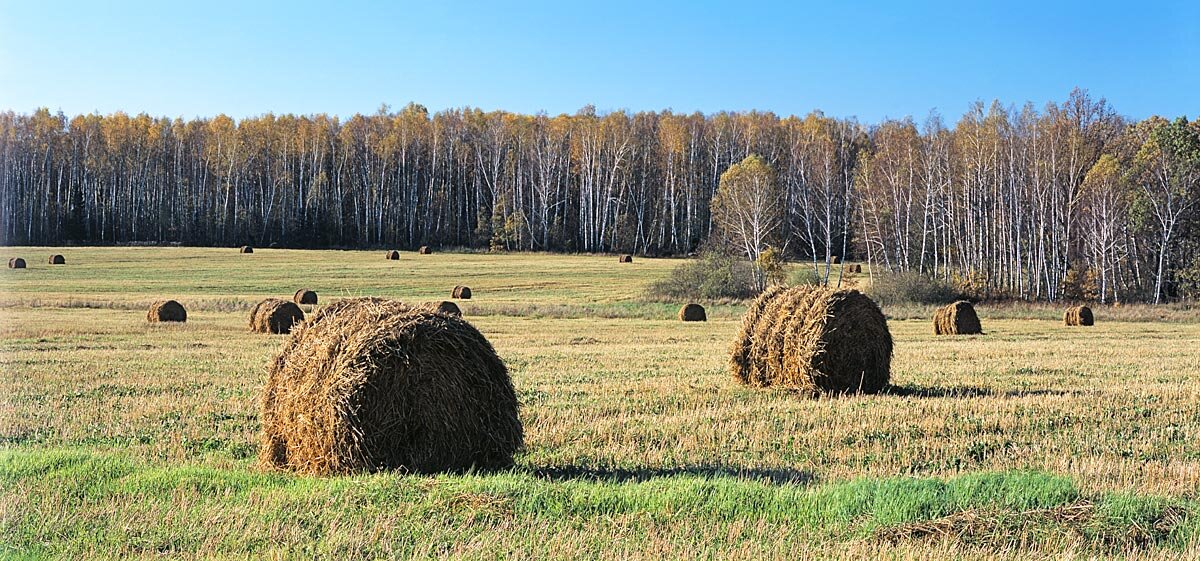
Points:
x=123, y=439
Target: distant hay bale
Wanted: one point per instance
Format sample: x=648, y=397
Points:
x=856, y=268
x=625, y=259
x=424, y=250
x=247, y=249
x=275, y=315
x=369, y=384
x=834, y=260
x=166, y=310
x=444, y=307
x=692, y=312
x=305, y=296
x=16, y=263
x=958, y=318
x=814, y=339
x=1079, y=316
x=57, y=259
x=393, y=255
x=461, y=292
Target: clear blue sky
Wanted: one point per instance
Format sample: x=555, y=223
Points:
x=863, y=59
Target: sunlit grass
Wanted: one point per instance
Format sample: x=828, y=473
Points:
x=639, y=444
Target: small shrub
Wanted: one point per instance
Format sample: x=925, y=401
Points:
x=910, y=287
x=804, y=276
x=773, y=266
x=972, y=286
x=710, y=277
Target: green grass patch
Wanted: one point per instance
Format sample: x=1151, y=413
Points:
x=116, y=504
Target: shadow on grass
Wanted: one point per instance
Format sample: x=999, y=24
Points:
x=912, y=390
x=779, y=476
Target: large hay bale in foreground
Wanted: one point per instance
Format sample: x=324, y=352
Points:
x=166, y=310
x=444, y=307
x=369, y=384
x=814, y=339
x=1079, y=316
x=392, y=255
x=16, y=263
x=246, y=249
x=57, y=259
x=625, y=259
x=692, y=312
x=461, y=292
x=275, y=315
x=424, y=250
x=743, y=365
x=305, y=296
x=958, y=318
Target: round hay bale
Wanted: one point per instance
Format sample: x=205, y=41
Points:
x=305, y=296
x=445, y=307
x=743, y=365
x=424, y=250
x=369, y=384
x=166, y=310
x=834, y=260
x=1079, y=316
x=57, y=259
x=625, y=259
x=247, y=249
x=856, y=268
x=692, y=312
x=393, y=255
x=275, y=315
x=814, y=339
x=461, y=292
x=958, y=318
x=16, y=263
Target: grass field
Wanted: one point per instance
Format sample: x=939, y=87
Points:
x=123, y=439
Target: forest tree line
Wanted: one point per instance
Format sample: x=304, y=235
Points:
x=1069, y=200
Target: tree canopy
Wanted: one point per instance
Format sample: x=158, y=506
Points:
x=1008, y=199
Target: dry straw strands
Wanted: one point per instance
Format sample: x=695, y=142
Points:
x=392, y=255
x=424, y=250
x=57, y=259
x=369, y=384
x=166, y=310
x=692, y=312
x=813, y=339
x=1079, y=315
x=246, y=249
x=274, y=315
x=461, y=292
x=305, y=296
x=16, y=263
x=958, y=318
x=625, y=259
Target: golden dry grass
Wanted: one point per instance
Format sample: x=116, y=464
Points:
x=625, y=398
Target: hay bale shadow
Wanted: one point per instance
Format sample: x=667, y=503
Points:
x=913, y=390
x=775, y=476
